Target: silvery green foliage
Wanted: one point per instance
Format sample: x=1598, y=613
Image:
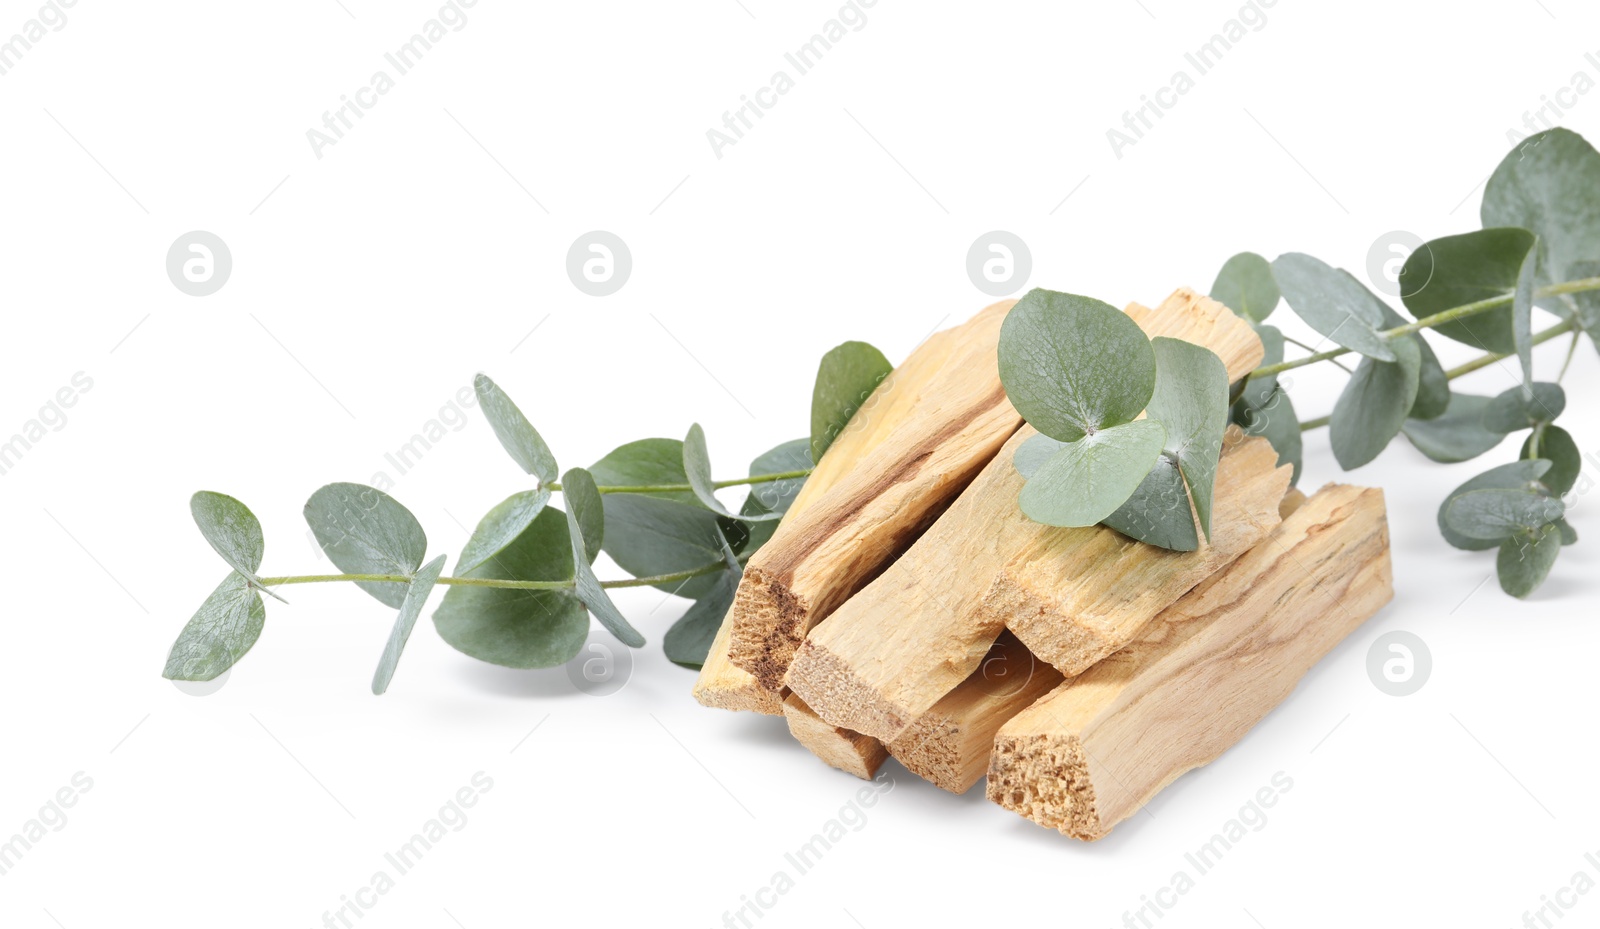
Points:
x=524, y=588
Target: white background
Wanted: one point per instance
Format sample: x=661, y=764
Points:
x=369, y=285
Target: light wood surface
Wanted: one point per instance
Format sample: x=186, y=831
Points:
x=1091, y=753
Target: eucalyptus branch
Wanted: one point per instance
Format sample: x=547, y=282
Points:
x=1543, y=335
x=1466, y=310
x=651, y=580
x=688, y=488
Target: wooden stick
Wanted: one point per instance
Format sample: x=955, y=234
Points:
x=891, y=652
x=1102, y=744
x=848, y=751
x=940, y=422
x=893, y=407
x=950, y=744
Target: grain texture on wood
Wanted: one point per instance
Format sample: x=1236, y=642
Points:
x=907, y=639
x=950, y=744
x=848, y=751
x=1074, y=596
x=942, y=418
x=725, y=685
x=1209, y=668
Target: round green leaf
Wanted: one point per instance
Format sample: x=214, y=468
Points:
x=1087, y=480
x=1520, y=408
x=219, y=633
x=1516, y=475
x=1569, y=535
x=521, y=441
x=1158, y=512
x=1460, y=269
x=1458, y=434
x=501, y=526
x=1433, y=386
x=1246, y=286
x=647, y=536
x=1373, y=406
x=1073, y=365
x=365, y=531
x=1191, y=402
x=646, y=463
x=416, y=597
x=519, y=628
x=230, y=527
x=1550, y=184
x=1526, y=558
x=1557, y=446
x=1496, y=514
x=585, y=518
x=846, y=377
x=1333, y=303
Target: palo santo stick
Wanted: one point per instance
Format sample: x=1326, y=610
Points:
x=939, y=424
x=848, y=751
x=1074, y=596
x=907, y=639
x=950, y=744
x=893, y=406
x=1091, y=753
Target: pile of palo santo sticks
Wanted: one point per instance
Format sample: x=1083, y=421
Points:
x=907, y=607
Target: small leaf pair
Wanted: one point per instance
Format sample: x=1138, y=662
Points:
x=1510, y=507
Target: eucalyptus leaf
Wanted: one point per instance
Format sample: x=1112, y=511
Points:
x=1333, y=303
x=1525, y=560
x=846, y=377
x=230, y=527
x=1518, y=475
x=1246, y=286
x=1557, y=446
x=1072, y=365
x=219, y=633
x=689, y=640
x=365, y=531
x=776, y=496
x=1433, y=385
x=1522, y=316
x=646, y=463
x=1587, y=303
x=1158, y=512
x=1034, y=451
x=1372, y=408
x=1498, y=513
x=585, y=512
x=1569, y=535
x=416, y=598
x=501, y=526
x=521, y=441
x=1550, y=185
x=1274, y=419
x=697, y=465
x=1191, y=403
x=1460, y=269
x=647, y=536
x=1258, y=389
x=1520, y=408
x=1458, y=434
x=519, y=628
x=1089, y=479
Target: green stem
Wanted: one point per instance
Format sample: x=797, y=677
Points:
x=1428, y=322
x=676, y=488
x=649, y=581
x=1544, y=335
x=1572, y=349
